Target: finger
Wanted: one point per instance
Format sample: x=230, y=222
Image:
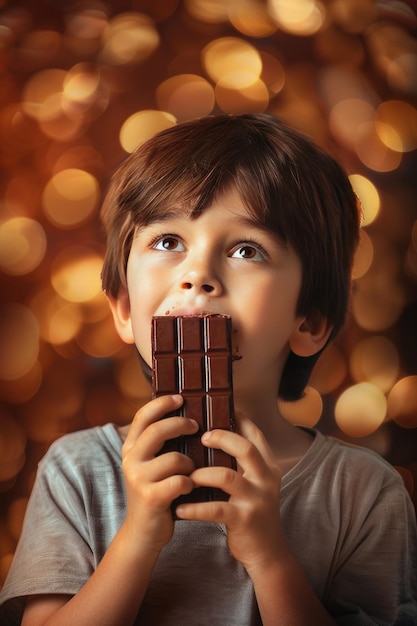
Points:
x=160, y=495
x=165, y=465
x=247, y=454
x=252, y=459
x=224, y=478
x=216, y=511
x=151, y=440
x=149, y=413
x=253, y=434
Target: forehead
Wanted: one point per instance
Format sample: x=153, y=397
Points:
x=228, y=202
x=228, y=212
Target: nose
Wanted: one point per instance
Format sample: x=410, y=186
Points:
x=201, y=279
x=204, y=287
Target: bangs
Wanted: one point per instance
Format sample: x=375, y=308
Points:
x=203, y=170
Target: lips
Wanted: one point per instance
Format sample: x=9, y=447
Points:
x=188, y=311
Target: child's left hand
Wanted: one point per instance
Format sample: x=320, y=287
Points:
x=251, y=514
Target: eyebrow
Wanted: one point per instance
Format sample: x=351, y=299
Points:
x=165, y=216
x=253, y=223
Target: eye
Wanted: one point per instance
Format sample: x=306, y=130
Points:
x=249, y=251
x=170, y=243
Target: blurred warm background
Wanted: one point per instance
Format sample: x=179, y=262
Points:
x=81, y=84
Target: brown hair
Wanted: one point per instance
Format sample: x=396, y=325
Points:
x=289, y=185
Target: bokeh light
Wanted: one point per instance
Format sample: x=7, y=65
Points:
x=84, y=92
x=142, y=125
x=19, y=340
x=129, y=38
x=75, y=274
x=360, y=409
x=252, y=98
x=402, y=402
x=372, y=147
x=70, y=197
x=364, y=255
x=377, y=305
x=100, y=340
x=401, y=118
x=368, y=196
x=186, y=96
x=21, y=390
x=300, y=18
x=22, y=245
x=208, y=11
x=234, y=63
x=42, y=93
x=330, y=370
x=347, y=117
x=304, y=412
x=59, y=321
x=252, y=19
x=375, y=360
x=84, y=28
x=128, y=376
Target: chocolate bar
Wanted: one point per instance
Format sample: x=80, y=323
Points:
x=191, y=355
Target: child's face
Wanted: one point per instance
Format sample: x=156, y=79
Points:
x=219, y=262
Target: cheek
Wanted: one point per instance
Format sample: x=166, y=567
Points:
x=270, y=311
x=141, y=321
x=270, y=300
x=141, y=327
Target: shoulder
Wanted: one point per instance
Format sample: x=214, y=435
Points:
x=86, y=441
x=359, y=478
x=81, y=471
x=358, y=461
x=351, y=457
x=89, y=449
x=347, y=472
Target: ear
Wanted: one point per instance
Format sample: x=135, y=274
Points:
x=308, y=338
x=120, y=308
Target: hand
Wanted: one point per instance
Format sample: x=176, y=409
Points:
x=252, y=513
x=152, y=482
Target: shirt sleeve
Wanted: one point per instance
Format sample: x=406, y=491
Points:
x=54, y=553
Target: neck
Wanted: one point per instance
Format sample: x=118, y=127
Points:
x=287, y=442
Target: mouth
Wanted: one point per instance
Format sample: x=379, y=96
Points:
x=189, y=312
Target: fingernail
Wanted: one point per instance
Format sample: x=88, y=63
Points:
x=206, y=436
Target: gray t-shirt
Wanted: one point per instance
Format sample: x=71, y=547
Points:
x=345, y=512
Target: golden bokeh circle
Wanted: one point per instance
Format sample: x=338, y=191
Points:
x=142, y=125
x=360, y=409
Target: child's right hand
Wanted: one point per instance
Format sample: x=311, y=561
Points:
x=153, y=482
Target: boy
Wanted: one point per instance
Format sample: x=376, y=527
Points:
x=243, y=216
